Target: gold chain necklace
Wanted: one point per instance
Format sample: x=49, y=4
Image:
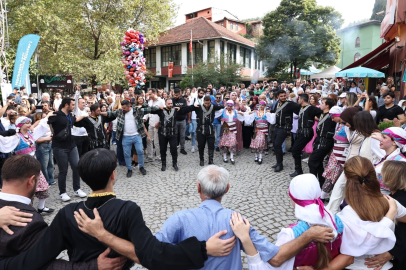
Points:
x=84, y=204
x=101, y=194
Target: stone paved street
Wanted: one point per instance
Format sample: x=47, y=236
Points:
x=256, y=191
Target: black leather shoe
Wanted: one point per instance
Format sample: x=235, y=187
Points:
x=256, y=159
x=259, y=161
x=225, y=160
x=217, y=149
x=278, y=168
x=163, y=168
x=274, y=166
x=232, y=161
x=46, y=210
x=183, y=151
x=143, y=171
x=296, y=173
x=202, y=163
x=129, y=173
x=211, y=162
x=175, y=166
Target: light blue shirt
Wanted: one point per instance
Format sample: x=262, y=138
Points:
x=205, y=221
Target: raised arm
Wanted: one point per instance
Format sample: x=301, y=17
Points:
x=77, y=96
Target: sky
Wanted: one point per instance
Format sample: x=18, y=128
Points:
x=351, y=10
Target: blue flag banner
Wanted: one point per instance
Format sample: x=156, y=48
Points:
x=25, y=49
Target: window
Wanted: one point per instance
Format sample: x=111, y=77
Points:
x=236, y=26
x=150, y=57
x=232, y=51
x=245, y=57
x=231, y=26
x=357, y=42
x=211, y=53
x=197, y=50
x=171, y=54
x=222, y=24
x=357, y=56
x=221, y=47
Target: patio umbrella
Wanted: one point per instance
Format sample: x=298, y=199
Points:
x=360, y=72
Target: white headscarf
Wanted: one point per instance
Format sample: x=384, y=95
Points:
x=306, y=188
x=398, y=135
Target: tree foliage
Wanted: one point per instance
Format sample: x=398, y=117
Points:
x=298, y=33
x=82, y=37
x=380, y=5
x=219, y=72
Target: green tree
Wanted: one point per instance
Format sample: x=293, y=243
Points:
x=219, y=72
x=82, y=37
x=297, y=33
x=380, y=5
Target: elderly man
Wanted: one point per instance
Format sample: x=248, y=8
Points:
x=80, y=134
x=384, y=89
x=343, y=100
x=210, y=217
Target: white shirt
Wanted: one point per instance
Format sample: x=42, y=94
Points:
x=57, y=103
x=79, y=131
x=130, y=126
x=295, y=90
x=5, y=122
x=14, y=198
x=154, y=118
x=197, y=101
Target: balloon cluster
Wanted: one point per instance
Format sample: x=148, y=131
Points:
x=133, y=58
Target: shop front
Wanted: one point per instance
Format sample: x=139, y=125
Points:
x=56, y=84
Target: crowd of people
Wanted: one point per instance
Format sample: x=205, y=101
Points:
x=349, y=207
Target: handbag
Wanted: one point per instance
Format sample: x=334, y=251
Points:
x=63, y=134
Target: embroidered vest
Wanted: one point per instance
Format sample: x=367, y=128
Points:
x=261, y=124
x=308, y=256
x=24, y=147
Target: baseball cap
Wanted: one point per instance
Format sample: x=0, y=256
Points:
x=343, y=95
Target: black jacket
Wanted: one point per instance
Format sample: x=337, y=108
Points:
x=399, y=250
x=285, y=116
x=167, y=126
x=204, y=122
x=306, y=119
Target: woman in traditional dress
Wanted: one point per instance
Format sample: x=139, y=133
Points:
x=228, y=141
x=237, y=106
x=393, y=142
x=261, y=118
x=24, y=143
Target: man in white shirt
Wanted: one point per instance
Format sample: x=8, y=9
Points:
x=297, y=88
x=153, y=127
x=79, y=134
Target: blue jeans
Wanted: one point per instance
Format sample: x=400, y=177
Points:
x=44, y=156
x=192, y=130
x=128, y=142
x=187, y=133
x=120, y=151
x=217, y=128
x=113, y=137
x=284, y=146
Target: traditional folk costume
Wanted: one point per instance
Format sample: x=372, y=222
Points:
x=26, y=145
x=337, y=159
x=228, y=141
x=305, y=191
x=399, y=137
x=261, y=118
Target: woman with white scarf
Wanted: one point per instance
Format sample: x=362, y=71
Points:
x=304, y=191
x=393, y=142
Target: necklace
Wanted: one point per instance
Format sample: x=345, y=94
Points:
x=91, y=195
x=27, y=139
x=84, y=204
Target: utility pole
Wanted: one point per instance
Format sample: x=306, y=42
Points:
x=4, y=41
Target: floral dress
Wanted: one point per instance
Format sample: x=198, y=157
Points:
x=258, y=143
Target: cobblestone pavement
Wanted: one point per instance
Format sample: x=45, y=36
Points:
x=256, y=191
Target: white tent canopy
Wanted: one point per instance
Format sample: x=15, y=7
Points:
x=327, y=73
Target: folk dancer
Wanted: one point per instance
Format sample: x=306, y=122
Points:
x=228, y=141
x=261, y=118
x=205, y=114
x=324, y=141
x=284, y=118
x=304, y=133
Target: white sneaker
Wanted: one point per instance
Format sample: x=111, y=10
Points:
x=80, y=193
x=193, y=149
x=305, y=160
x=65, y=197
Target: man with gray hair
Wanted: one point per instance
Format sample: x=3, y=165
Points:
x=210, y=217
x=384, y=89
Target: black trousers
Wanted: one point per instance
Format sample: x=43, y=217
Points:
x=163, y=144
x=316, y=159
x=82, y=143
x=202, y=139
x=297, y=148
x=247, y=135
x=279, y=136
